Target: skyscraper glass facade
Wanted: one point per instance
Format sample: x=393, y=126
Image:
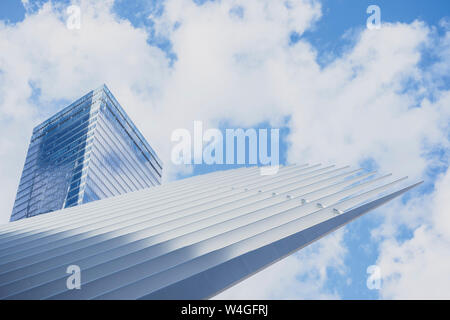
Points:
x=88, y=151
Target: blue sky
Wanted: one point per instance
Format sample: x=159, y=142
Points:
x=339, y=16
x=333, y=36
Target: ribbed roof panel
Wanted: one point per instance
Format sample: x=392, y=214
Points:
x=188, y=239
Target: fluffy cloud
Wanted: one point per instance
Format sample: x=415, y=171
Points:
x=418, y=267
x=235, y=63
x=356, y=105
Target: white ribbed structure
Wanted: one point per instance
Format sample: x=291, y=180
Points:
x=189, y=239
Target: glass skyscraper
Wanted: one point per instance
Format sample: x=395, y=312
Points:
x=88, y=151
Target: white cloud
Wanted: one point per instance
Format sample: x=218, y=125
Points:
x=240, y=67
x=418, y=268
x=354, y=105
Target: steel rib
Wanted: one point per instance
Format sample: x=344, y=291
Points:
x=158, y=237
x=109, y=214
x=27, y=262
x=221, y=207
x=102, y=270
